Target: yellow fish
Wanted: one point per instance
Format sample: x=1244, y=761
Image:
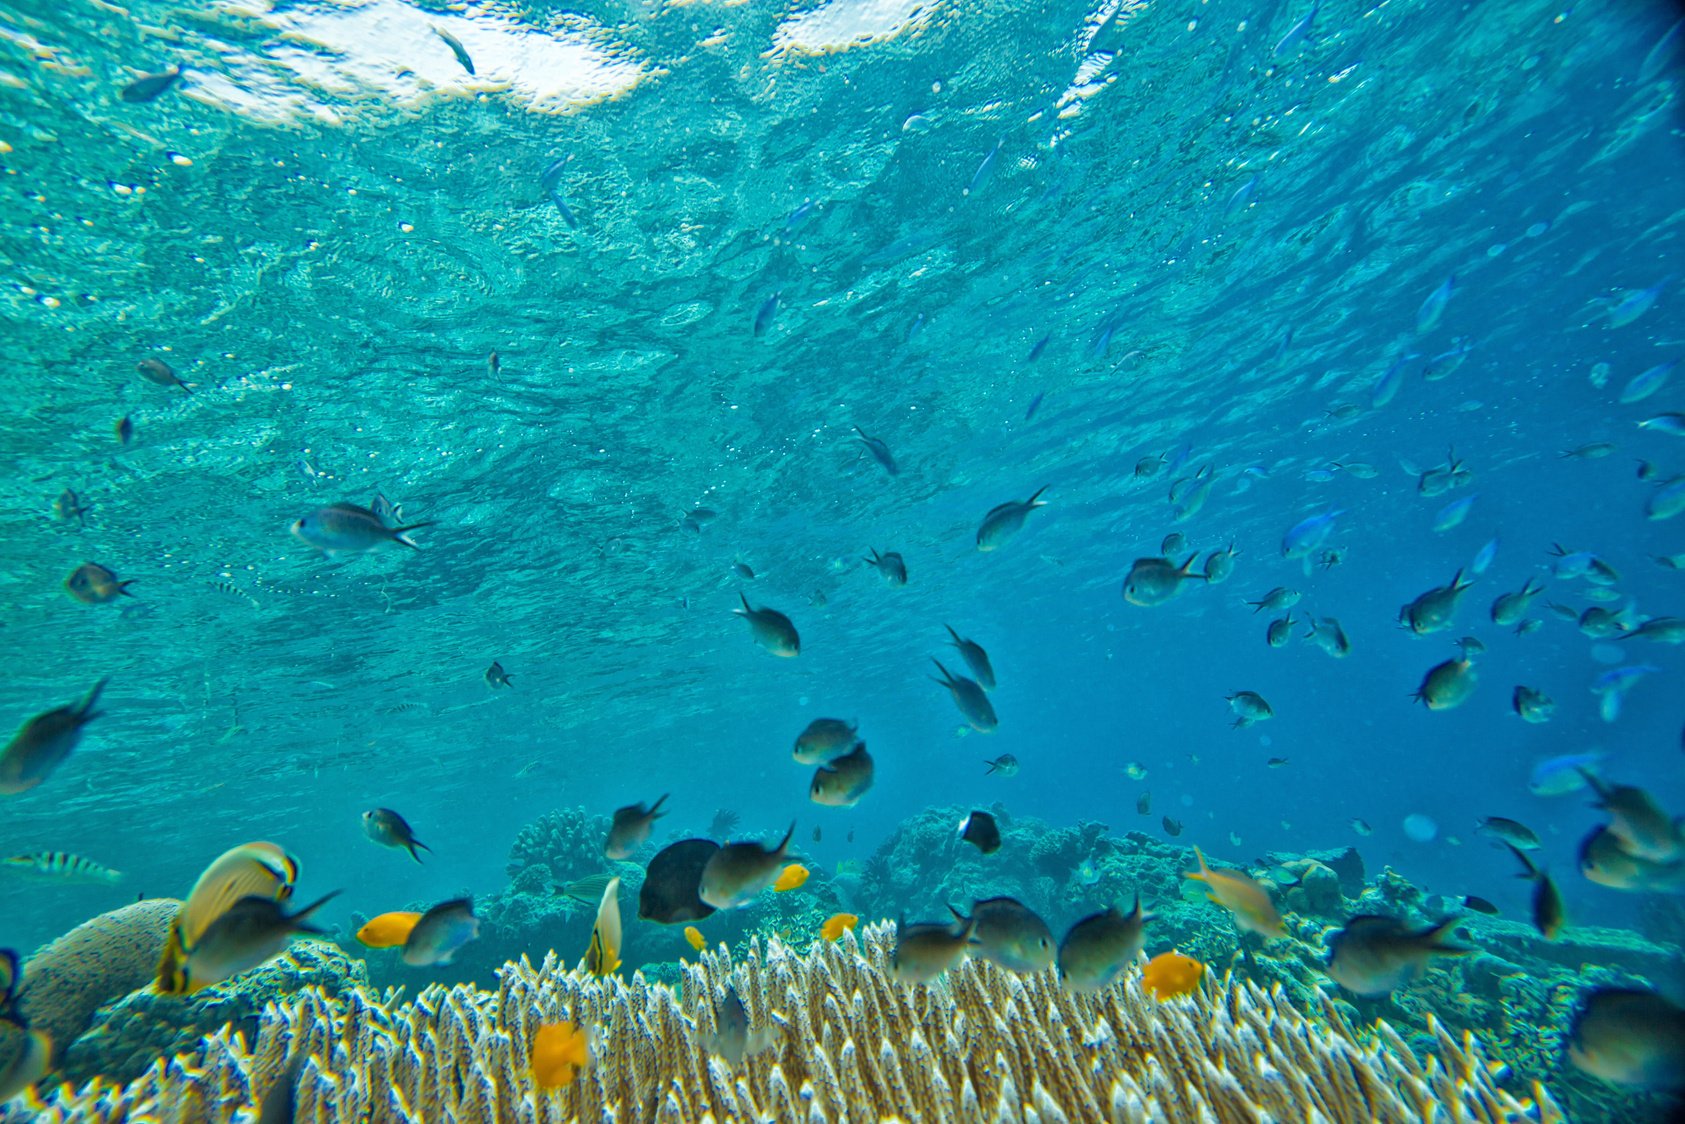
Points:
x=1247, y=901
x=695, y=937
x=559, y=1052
x=792, y=878
x=389, y=930
x=1170, y=974
x=249, y=870
x=838, y=924
x=603, y=956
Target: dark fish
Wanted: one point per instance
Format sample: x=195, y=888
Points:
x=279, y=1104
x=1035, y=404
x=736, y=874
x=93, y=584
x=1480, y=905
x=1144, y=803
x=1005, y=520
x=457, y=49
x=879, y=451
x=551, y=177
x=1101, y=947
x=980, y=830
x=975, y=658
x=1629, y=1036
x=771, y=629
x=851, y=835
x=1376, y=955
x=125, y=430
x=1035, y=352
x=160, y=372
x=497, y=677
x=673, y=878
x=248, y=933
x=149, y=86
x=70, y=506
x=1153, y=581
x=631, y=828
x=1276, y=762
x=494, y=364
x=1172, y=827
x=1513, y=832
x=42, y=745
x=1006, y=765
x=842, y=782
x=389, y=829
x=816, y=835
x=1548, y=914
x=969, y=698
x=441, y=933
x=743, y=570
x=1009, y=933
x=767, y=313
x=890, y=564
x=731, y=1038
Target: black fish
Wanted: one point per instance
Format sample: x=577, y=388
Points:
x=879, y=450
x=1172, y=827
x=1144, y=804
x=672, y=880
x=149, y=86
x=1480, y=905
x=980, y=830
x=816, y=835
x=125, y=431
x=457, y=49
x=768, y=312
x=552, y=175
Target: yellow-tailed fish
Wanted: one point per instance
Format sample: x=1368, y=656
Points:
x=695, y=937
x=249, y=870
x=603, y=956
x=1248, y=902
x=791, y=878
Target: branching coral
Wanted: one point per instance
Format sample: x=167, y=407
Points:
x=989, y=1046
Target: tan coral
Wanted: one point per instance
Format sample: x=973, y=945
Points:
x=982, y=1046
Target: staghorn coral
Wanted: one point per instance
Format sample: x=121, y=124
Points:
x=989, y=1046
x=130, y=1034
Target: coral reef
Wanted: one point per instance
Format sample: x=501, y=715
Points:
x=132, y=1033
x=988, y=1046
x=99, y=961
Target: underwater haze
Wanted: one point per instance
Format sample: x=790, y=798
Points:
x=608, y=317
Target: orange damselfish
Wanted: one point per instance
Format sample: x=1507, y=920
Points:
x=559, y=1052
x=1170, y=974
x=838, y=924
x=793, y=876
x=389, y=930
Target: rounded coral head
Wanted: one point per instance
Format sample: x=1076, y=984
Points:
x=1170, y=974
x=559, y=1052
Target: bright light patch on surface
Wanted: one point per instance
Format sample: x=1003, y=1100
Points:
x=842, y=24
x=325, y=60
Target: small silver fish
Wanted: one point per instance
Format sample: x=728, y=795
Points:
x=1005, y=520
x=457, y=48
x=345, y=528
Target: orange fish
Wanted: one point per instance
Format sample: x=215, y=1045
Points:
x=1170, y=974
x=695, y=937
x=389, y=930
x=559, y=1052
x=792, y=877
x=838, y=924
x=1248, y=902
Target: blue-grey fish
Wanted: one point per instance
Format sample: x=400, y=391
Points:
x=1007, y=932
x=1643, y=829
x=1376, y=955
x=1278, y=598
x=768, y=312
x=1636, y=303
x=984, y=171
x=549, y=180
x=969, y=697
x=841, y=782
x=1005, y=520
x=93, y=584
x=457, y=49
x=736, y=873
x=1219, y=564
x=1445, y=364
x=631, y=829
x=1660, y=630
x=1297, y=33
x=1660, y=55
x=1241, y=197
x=732, y=1039
x=879, y=450
x=1280, y=632
x=1306, y=536
x=389, y=829
x=1391, y=380
x=1511, y=607
x=1484, y=558
x=1453, y=513
x=149, y=86
x=160, y=372
x=1440, y=479
x=1006, y=765
x=1100, y=948
x=1153, y=581
x=926, y=950
x=1446, y=685
x=251, y=932
x=1630, y=1036
x=771, y=629
x=824, y=739
x=345, y=528
x=1327, y=634
x=1434, y=306
x=1435, y=609
x=71, y=506
x=1249, y=707
x=1037, y=348
x=496, y=677
x=890, y=564
x=1667, y=500
x=1646, y=382
x=1532, y=705
x=42, y=745
x=441, y=933
x=975, y=658
x=1035, y=404
x=1505, y=830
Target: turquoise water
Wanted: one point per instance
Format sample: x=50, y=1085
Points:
x=1227, y=235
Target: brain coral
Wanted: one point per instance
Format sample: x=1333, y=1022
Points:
x=988, y=1046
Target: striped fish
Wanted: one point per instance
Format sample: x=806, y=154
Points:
x=65, y=866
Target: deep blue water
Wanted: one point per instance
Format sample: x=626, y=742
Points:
x=337, y=250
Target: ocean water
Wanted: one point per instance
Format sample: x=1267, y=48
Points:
x=1027, y=246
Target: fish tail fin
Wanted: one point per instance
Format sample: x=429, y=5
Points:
x=86, y=711
x=298, y=919
x=784, y=844
x=991, y=767
x=947, y=680
x=1204, y=872
x=402, y=534
x=952, y=633
x=412, y=844
x=745, y=610
x=1528, y=869
x=1186, y=568
x=958, y=916
x=123, y=587
x=1035, y=500
x=655, y=809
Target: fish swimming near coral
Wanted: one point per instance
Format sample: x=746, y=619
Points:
x=1099, y=949
x=93, y=584
x=792, y=877
x=389, y=930
x=1247, y=901
x=694, y=936
x=249, y=933
x=1549, y=916
x=980, y=830
x=672, y=883
x=603, y=955
x=842, y=782
x=560, y=1052
x=736, y=874
x=1376, y=955
x=1009, y=933
x=837, y=924
x=440, y=933
x=732, y=1038
x=44, y=742
x=924, y=951
x=1171, y=974
x=258, y=869
x=631, y=828
x=1630, y=1036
